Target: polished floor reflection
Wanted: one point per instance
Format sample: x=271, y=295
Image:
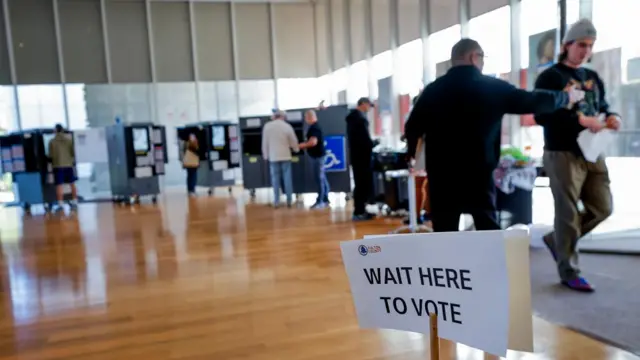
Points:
x=207, y=278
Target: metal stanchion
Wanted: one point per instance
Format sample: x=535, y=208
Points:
x=413, y=226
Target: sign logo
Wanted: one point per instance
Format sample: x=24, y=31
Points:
x=364, y=250
x=335, y=153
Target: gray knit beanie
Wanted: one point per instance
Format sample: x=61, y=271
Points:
x=582, y=29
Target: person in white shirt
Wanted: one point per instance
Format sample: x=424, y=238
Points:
x=278, y=140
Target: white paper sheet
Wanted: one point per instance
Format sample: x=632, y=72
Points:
x=594, y=144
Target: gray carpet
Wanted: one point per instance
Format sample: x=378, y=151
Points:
x=611, y=314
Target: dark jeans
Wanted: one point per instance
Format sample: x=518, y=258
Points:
x=363, y=179
x=573, y=179
x=321, y=179
x=457, y=195
x=192, y=178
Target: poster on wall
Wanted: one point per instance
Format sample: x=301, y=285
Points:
x=542, y=54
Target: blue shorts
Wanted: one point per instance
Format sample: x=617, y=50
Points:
x=65, y=175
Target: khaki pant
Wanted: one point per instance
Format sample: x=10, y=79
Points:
x=574, y=179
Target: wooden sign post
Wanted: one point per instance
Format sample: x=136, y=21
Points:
x=434, y=343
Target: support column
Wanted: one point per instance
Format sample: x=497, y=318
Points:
x=194, y=57
x=274, y=55
x=395, y=81
x=348, y=48
x=105, y=39
x=464, y=11
x=515, y=135
x=63, y=77
x=12, y=61
x=234, y=48
x=427, y=76
x=152, y=62
x=330, y=51
x=562, y=10
x=368, y=35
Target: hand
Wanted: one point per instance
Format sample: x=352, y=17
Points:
x=575, y=95
x=592, y=123
x=613, y=122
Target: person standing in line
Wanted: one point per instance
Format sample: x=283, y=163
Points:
x=571, y=177
x=421, y=181
x=278, y=140
x=316, y=151
x=62, y=155
x=191, y=162
x=360, y=151
x=460, y=117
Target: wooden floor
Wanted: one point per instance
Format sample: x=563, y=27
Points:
x=206, y=278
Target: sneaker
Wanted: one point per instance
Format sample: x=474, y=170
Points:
x=361, y=217
x=549, y=242
x=579, y=284
x=319, y=206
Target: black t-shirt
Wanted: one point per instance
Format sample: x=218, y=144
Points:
x=316, y=132
x=562, y=127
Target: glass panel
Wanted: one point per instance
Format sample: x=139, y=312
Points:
x=299, y=93
x=257, y=97
x=410, y=68
x=8, y=123
x=441, y=43
x=382, y=65
x=177, y=106
x=492, y=31
x=41, y=106
x=208, y=101
x=358, y=82
x=339, y=81
x=227, y=100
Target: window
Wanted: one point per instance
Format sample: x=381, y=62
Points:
x=8, y=111
x=492, y=31
x=441, y=43
x=257, y=97
x=298, y=93
x=358, y=82
x=41, y=106
x=77, y=106
x=410, y=68
x=382, y=65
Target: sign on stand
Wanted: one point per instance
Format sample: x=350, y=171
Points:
x=477, y=284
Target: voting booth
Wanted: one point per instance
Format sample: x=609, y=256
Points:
x=137, y=158
x=424, y=283
x=25, y=155
x=219, y=152
x=255, y=170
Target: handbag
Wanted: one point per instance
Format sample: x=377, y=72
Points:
x=190, y=159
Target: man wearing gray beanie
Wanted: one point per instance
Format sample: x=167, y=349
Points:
x=571, y=177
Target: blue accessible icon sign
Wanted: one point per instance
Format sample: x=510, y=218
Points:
x=335, y=153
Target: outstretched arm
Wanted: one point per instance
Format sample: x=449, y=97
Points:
x=539, y=101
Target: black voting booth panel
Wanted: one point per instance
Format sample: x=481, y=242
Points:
x=137, y=157
x=25, y=155
x=219, y=152
x=255, y=170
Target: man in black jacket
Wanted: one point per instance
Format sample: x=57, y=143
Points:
x=360, y=150
x=571, y=177
x=460, y=114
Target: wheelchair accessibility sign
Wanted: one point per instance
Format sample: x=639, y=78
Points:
x=335, y=153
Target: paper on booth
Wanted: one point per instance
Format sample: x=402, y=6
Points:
x=397, y=280
x=594, y=144
x=516, y=244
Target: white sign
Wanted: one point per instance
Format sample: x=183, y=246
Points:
x=398, y=280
